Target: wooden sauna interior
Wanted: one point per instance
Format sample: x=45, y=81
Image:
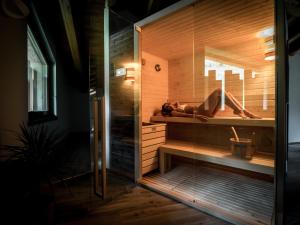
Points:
x=190, y=160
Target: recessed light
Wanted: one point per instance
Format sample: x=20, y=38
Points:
x=266, y=32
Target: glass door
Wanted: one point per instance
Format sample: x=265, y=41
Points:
x=234, y=82
x=114, y=109
x=121, y=96
x=208, y=72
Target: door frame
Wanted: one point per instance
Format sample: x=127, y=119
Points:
x=282, y=82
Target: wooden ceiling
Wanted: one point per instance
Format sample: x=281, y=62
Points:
x=224, y=28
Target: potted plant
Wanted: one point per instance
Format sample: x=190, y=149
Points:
x=34, y=159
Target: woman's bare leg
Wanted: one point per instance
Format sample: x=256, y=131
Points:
x=245, y=111
x=233, y=103
x=213, y=101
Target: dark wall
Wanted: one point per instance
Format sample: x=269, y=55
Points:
x=94, y=29
x=72, y=94
x=13, y=79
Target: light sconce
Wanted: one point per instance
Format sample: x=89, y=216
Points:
x=121, y=72
x=267, y=32
x=128, y=71
x=130, y=74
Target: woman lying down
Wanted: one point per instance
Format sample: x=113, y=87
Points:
x=213, y=102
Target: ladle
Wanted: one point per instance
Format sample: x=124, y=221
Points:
x=235, y=134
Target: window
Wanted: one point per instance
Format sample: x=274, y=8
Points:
x=41, y=75
x=37, y=77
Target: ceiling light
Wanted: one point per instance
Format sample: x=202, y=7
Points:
x=266, y=32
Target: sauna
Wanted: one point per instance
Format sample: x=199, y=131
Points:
x=187, y=52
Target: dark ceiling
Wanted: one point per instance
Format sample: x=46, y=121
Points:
x=127, y=12
x=139, y=9
x=293, y=16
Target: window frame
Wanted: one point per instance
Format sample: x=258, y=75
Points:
x=37, y=32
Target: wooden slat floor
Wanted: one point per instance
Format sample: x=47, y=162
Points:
x=234, y=197
x=136, y=206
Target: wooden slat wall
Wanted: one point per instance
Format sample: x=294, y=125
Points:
x=154, y=85
x=261, y=89
x=191, y=86
x=229, y=26
x=224, y=31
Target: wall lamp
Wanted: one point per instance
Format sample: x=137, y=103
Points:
x=128, y=70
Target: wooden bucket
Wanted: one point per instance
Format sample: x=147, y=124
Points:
x=242, y=148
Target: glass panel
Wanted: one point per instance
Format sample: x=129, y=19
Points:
x=37, y=76
x=168, y=94
x=234, y=55
x=216, y=78
x=121, y=94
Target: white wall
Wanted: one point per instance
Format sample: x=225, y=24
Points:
x=294, y=98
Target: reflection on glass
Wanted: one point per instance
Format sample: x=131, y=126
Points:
x=220, y=69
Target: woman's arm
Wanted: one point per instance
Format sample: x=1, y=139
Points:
x=182, y=114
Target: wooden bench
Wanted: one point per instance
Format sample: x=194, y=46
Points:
x=232, y=121
x=260, y=163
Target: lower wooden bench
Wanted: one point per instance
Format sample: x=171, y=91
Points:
x=260, y=163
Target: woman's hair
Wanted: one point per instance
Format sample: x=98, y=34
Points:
x=166, y=109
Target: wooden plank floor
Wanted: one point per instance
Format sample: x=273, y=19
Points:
x=138, y=206
x=234, y=197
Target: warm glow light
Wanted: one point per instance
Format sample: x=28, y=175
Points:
x=120, y=72
x=270, y=58
x=131, y=68
x=270, y=49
